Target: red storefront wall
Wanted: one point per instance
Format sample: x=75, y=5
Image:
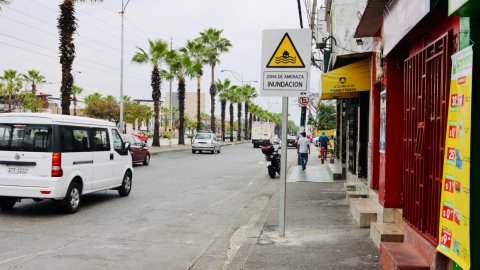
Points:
x=394, y=162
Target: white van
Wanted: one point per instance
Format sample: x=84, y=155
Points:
x=59, y=157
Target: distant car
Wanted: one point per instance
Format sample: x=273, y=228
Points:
x=276, y=140
x=206, y=142
x=138, y=149
x=292, y=141
x=139, y=134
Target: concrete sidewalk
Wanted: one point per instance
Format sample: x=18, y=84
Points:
x=165, y=150
x=320, y=231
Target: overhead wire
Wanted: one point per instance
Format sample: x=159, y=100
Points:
x=75, y=63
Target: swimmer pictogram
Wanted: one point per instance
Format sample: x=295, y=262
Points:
x=286, y=55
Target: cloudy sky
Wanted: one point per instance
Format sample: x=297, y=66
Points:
x=29, y=40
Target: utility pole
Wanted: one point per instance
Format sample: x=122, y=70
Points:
x=121, y=77
x=170, y=104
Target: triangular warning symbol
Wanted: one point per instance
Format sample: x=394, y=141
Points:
x=286, y=55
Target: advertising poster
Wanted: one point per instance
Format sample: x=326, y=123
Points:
x=383, y=119
x=454, y=229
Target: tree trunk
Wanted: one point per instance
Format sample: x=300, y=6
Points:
x=239, y=115
x=199, y=126
x=74, y=106
x=224, y=104
x=34, y=88
x=139, y=124
x=156, y=94
x=67, y=26
x=213, y=92
x=246, y=119
x=9, y=102
x=181, y=109
x=231, y=121
x=250, y=125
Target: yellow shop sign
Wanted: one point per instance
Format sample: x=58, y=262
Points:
x=347, y=81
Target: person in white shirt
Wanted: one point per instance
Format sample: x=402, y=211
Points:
x=303, y=149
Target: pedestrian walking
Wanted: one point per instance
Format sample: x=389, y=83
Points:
x=324, y=142
x=303, y=149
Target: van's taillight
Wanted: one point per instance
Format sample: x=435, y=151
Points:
x=212, y=142
x=45, y=192
x=57, y=165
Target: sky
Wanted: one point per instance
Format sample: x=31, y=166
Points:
x=29, y=40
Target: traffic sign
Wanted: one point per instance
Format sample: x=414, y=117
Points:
x=303, y=101
x=286, y=57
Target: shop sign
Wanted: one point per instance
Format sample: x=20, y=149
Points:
x=347, y=81
x=399, y=17
x=454, y=229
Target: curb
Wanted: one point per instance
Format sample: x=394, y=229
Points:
x=173, y=151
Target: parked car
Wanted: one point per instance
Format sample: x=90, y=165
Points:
x=292, y=141
x=139, y=134
x=59, y=157
x=205, y=142
x=138, y=149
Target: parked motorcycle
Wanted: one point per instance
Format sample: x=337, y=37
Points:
x=272, y=158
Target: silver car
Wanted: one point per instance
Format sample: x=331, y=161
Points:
x=205, y=142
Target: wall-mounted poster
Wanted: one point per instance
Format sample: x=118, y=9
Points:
x=383, y=118
x=454, y=229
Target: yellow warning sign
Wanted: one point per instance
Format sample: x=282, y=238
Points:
x=285, y=56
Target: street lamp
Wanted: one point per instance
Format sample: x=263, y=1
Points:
x=236, y=74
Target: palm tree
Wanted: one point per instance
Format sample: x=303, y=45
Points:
x=67, y=25
x=200, y=55
x=13, y=83
x=76, y=90
x=212, y=38
x=155, y=56
x=232, y=97
x=240, y=98
x=34, y=78
x=5, y=3
x=181, y=68
x=224, y=90
x=249, y=93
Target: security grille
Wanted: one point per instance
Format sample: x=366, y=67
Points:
x=426, y=91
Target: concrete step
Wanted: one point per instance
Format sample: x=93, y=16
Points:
x=364, y=211
x=385, y=232
x=401, y=256
x=398, y=218
x=335, y=171
x=355, y=194
x=350, y=186
x=424, y=248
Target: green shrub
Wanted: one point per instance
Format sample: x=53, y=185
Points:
x=149, y=134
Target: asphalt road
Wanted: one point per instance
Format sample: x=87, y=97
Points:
x=181, y=214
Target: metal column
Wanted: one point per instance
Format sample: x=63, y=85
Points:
x=283, y=169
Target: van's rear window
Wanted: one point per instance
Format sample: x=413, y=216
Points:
x=26, y=138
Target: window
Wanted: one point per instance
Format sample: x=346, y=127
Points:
x=131, y=141
x=75, y=139
x=117, y=140
x=203, y=136
x=138, y=141
x=26, y=138
x=101, y=139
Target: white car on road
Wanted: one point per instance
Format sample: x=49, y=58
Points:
x=58, y=157
x=206, y=142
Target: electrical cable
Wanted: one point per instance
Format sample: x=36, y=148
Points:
x=75, y=57
x=75, y=63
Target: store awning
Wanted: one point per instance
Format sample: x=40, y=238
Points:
x=371, y=20
x=347, y=81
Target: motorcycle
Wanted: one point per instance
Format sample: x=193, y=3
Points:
x=272, y=159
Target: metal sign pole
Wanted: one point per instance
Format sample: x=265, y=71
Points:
x=283, y=169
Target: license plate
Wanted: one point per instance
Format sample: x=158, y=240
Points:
x=18, y=170
x=268, y=163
